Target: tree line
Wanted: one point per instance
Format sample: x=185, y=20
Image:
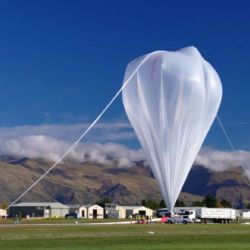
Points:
x=208, y=201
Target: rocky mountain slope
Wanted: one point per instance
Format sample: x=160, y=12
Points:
x=73, y=182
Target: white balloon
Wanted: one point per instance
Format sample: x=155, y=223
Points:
x=171, y=102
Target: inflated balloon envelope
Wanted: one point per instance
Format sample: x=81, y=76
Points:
x=171, y=99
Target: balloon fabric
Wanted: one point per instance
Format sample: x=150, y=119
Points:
x=171, y=102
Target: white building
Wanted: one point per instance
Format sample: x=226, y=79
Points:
x=95, y=212
x=81, y=211
x=3, y=213
x=123, y=212
x=38, y=209
x=141, y=210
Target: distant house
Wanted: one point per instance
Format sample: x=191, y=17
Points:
x=81, y=210
x=38, y=209
x=92, y=211
x=3, y=213
x=95, y=212
x=123, y=212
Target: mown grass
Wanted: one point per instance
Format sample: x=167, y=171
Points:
x=129, y=237
x=57, y=221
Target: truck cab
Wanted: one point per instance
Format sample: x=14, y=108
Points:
x=188, y=214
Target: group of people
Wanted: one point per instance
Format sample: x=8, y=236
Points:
x=142, y=219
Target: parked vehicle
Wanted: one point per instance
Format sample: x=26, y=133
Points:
x=186, y=214
x=178, y=220
x=163, y=212
x=71, y=216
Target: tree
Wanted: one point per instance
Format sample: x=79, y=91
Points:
x=226, y=203
x=162, y=203
x=180, y=203
x=4, y=205
x=144, y=203
x=198, y=204
x=102, y=201
x=210, y=201
x=151, y=204
x=248, y=205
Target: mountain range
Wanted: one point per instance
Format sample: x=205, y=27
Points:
x=75, y=182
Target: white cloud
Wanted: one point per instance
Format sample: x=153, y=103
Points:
x=45, y=147
x=223, y=160
x=34, y=146
x=51, y=141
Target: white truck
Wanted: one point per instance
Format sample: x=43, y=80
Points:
x=200, y=214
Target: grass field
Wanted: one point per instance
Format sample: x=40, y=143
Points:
x=129, y=237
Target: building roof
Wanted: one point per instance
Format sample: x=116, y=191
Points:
x=134, y=207
x=77, y=206
x=41, y=204
x=91, y=205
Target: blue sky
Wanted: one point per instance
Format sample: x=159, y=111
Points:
x=62, y=61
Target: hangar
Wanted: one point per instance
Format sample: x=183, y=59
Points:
x=38, y=209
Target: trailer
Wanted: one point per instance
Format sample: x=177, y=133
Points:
x=215, y=215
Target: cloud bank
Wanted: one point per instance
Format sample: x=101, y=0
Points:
x=222, y=160
x=51, y=141
x=49, y=148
